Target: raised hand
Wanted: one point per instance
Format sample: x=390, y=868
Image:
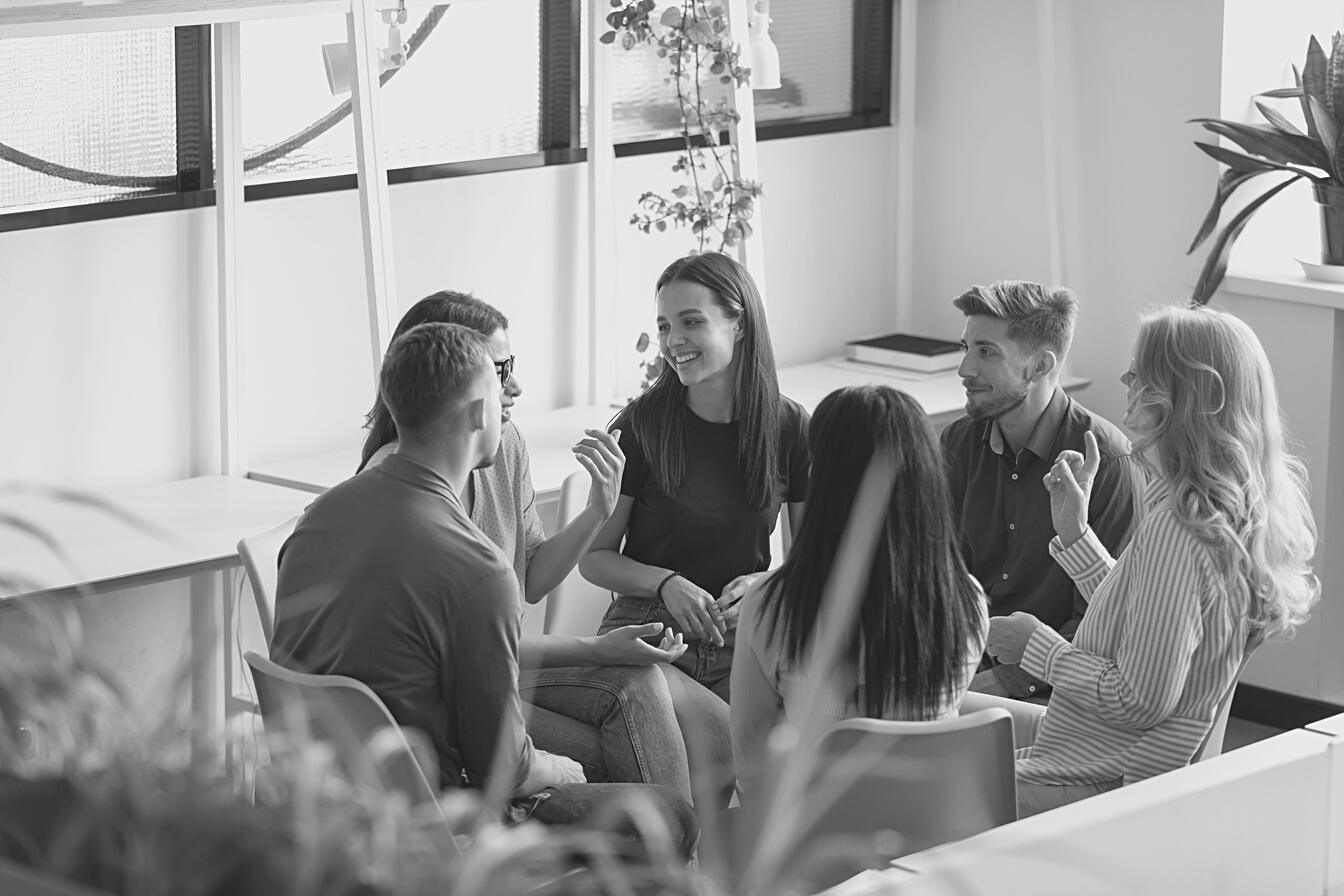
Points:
x=1070, y=485
x=600, y=454
x=695, y=611
x=625, y=646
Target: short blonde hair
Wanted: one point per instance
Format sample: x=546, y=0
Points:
x=1206, y=419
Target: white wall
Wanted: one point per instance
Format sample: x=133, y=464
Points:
x=107, y=329
x=1132, y=188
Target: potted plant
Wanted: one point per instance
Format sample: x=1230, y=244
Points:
x=1280, y=146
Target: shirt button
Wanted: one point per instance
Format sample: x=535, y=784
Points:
x=1012, y=526
x=1014, y=475
x=1005, y=577
x=1031, y=689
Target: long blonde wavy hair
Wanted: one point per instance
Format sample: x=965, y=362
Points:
x=1206, y=419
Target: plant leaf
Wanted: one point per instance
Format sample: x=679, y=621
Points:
x=1283, y=92
x=1306, y=106
x=1314, y=74
x=1273, y=144
x=1326, y=126
x=1227, y=184
x=1216, y=265
x=1241, y=162
x=1334, y=79
x=1277, y=119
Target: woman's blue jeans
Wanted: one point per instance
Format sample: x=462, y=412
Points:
x=623, y=726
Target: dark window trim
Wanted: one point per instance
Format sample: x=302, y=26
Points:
x=560, y=104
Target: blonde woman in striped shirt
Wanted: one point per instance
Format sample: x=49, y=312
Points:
x=1220, y=558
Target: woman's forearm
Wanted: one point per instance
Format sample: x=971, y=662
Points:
x=618, y=573
x=560, y=553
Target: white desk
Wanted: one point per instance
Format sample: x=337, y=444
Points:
x=550, y=434
x=195, y=527
x=200, y=522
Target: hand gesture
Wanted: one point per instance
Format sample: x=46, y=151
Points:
x=1008, y=636
x=601, y=455
x=729, y=603
x=625, y=646
x=1070, y=485
x=695, y=611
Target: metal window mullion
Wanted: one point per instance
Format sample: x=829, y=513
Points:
x=228, y=213
x=561, y=49
x=195, y=156
x=872, y=57
x=375, y=216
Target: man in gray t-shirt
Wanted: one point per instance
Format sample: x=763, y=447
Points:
x=386, y=580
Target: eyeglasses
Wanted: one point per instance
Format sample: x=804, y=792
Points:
x=505, y=370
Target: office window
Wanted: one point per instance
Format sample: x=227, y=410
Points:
x=816, y=40
x=127, y=115
x=470, y=91
x=87, y=117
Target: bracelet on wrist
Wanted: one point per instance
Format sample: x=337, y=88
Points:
x=667, y=578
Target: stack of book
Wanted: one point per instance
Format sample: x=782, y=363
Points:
x=919, y=354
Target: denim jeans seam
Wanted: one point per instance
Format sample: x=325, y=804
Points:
x=636, y=746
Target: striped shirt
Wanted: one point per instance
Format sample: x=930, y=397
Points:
x=1138, y=688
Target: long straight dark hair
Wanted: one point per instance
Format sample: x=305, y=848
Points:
x=445, y=307
x=658, y=417
x=920, y=614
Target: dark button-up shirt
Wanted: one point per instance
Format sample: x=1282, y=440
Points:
x=1004, y=509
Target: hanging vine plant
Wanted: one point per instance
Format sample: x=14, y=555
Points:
x=693, y=37
x=712, y=201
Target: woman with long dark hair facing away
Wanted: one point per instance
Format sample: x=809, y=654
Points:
x=921, y=623
x=712, y=452
x=617, y=691
x=1219, y=561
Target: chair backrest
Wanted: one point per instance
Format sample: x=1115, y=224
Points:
x=1213, y=741
x=931, y=782
x=347, y=714
x=261, y=559
x=576, y=606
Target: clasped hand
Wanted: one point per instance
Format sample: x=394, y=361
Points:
x=701, y=616
x=1008, y=636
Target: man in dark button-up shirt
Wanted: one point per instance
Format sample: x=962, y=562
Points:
x=1019, y=420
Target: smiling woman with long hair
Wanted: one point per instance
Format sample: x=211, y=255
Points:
x=1220, y=561
x=712, y=453
x=921, y=622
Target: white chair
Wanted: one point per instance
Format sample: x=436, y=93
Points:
x=929, y=782
x=261, y=559
x=347, y=714
x=576, y=606
x=1213, y=741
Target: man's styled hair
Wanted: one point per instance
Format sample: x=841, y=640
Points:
x=1038, y=316
x=427, y=369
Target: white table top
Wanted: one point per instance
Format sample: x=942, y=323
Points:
x=550, y=434
x=200, y=522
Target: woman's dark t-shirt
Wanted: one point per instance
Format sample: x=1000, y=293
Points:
x=708, y=531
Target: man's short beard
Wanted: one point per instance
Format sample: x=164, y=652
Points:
x=1005, y=404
